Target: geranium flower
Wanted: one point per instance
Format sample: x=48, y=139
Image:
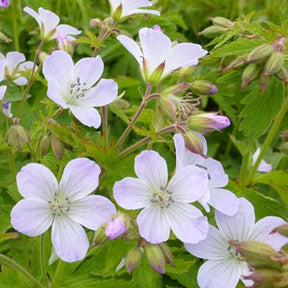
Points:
x=166, y=205
x=2, y=69
x=4, y=3
x=157, y=56
x=225, y=266
x=70, y=86
x=66, y=206
x=48, y=23
x=263, y=166
x=123, y=8
x=219, y=198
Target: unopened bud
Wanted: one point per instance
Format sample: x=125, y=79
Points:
x=213, y=31
x=4, y=3
x=193, y=143
x=4, y=38
x=282, y=230
x=118, y=12
x=121, y=104
x=239, y=61
x=115, y=227
x=273, y=64
x=6, y=109
x=99, y=236
x=133, y=258
x=64, y=44
x=203, y=87
x=95, y=22
x=169, y=106
x=156, y=75
x=57, y=146
x=186, y=72
x=282, y=74
x=259, y=53
x=250, y=73
x=181, y=87
x=155, y=257
x=284, y=148
x=221, y=21
x=45, y=145
x=167, y=253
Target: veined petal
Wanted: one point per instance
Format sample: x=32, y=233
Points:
x=140, y=11
x=13, y=60
x=80, y=178
x=155, y=46
x=2, y=91
x=88, y=116
x=213, y=247
x=187, y=222
x=36, y=181
x=69, y=239
x=239, y=226
x=92, y=211
x=132, y=193
x=132, y=47
x=217, y=175
x=89, y=70
x=153, y=224
x=183, y=55
x=188, y=184
x=151, y=168
x=2, y=68
x=31, y=216
x=67, y=30
x=20, y=80
x=33, y=13
x=224, y=201
x=55, y=92
x=49, y=19
x=134, y=4
x=102, y=94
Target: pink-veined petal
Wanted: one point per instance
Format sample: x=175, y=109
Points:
x=49, y=19
x=187, y=222
x=31, y=216
x=132, y=193
x=55, y=92
x=153, y=224
x=13, y=60
x=92, y=211
x=80, y=178
x=217, y=175
x=88, y=116
x=151, y=168
x=2, y=91
x=69, y=239
x=224, y=201
x=36, y=181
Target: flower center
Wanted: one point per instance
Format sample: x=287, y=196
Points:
x=162, y=197
x=77, y=90
x=234, y=253
x=59, y=205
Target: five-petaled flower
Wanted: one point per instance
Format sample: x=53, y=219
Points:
x=66, y=206
x=157, y=56
x=225, y=267
x=166, y=205
x=70, y=86
x=48, y=23
x=221, y=199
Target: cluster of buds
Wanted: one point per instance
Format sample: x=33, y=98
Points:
x=284, y=146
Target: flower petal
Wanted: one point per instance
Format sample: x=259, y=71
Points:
x=132, y=193
x=20, y=80
x=2, y=91
x=224, y=201
x=140, y=11
x=188, y=184
x=217, y=175
x=67, y=30
x=80, y=178
x=88, y=116
x=103, y=94
x=153, y=224
x=36, y=181
x=134, y=4
x=151, y=168
x=49, y=19
x=89, y=70
x=214, y=247
x=187, y=222
x=31, y=216
x=69, y=239
x=92, y=211
x=239, y=226
x=33, y=13
x=13, y=60
x=55, y=92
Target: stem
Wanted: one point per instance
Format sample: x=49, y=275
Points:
x=42, y=260
x=272, y=133
x=244, y=168
x=105, y=124
x=12, y=165
x=15, y=25
x=58, y=273
x=18, y=268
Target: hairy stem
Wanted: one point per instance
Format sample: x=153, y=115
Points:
x=12, y=165
x=42, y=260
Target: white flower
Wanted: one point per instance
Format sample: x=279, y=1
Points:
x=219, y=198
x=166, y=205
x=66, y=206
x=2, y=69
x=48, y=23
x=263, y=166
x=225, y=267
x=70, y=86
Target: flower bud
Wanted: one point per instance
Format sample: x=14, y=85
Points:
x=259, y=53
x=133, y=258
x=45, y=145
x=118, y=12
x=250, y=73
x=203, y=87
x=178, y=88
x=282, y=230
x=213, y=31
x=282, y=74
x=284, y=148
x=6, y=109
x=64, y=44
x=239, y=61
x=221, y=21
x=4, y=3
x=167, y=253
x=156, y=75
x=95, y=22
x=57, y=146
x=99, y=236
x=115, y=227
x=273, y=64
x=193, y=143
x=155, y=257
x=4, y=38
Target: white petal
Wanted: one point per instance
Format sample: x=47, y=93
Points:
x=89, y=70
x=2, y=68
x=140, y=11
x=187, y=222
x=55, y=92
x=219, y=274
x=20, y=81
x=31, y=216
x=264, y=167
x=134, y=4
x=183, y=55
x=217, y=175
x=67, y=30
x=92, y=211
x=188, y=184
x=103, y=94
x=214, y=247
x=239, y=226
x=155, y=46
x=13, y=60
x=224, y=201
x=88, y=116
x=33, y=13
x=69, y=239
x=36, y=181
x=49, y=19
x=153, y=224
x=132, y=193
x=2, y=91
x=151, y=168
x=80, y=178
